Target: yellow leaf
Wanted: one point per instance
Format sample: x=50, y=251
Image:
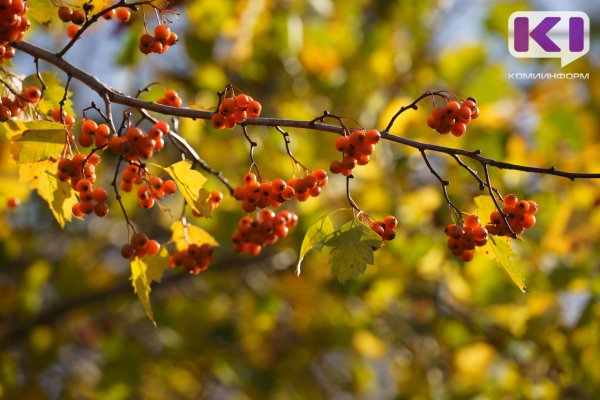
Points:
x=143, y=273
x=42, y=176
x=499, y=247
x=38, y=141
x=53, y=94
x=190, y=183
x=184, y=235
x=202, y=205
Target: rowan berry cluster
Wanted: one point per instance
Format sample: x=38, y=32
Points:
x=136, y=144
x=234, y=110
x=356, y=148
x=13, y=108
x=386, y=228
x=154, y=189
x=13, y=25
x=63, y=117
x=463, y=239
x=254, y=234
x=160, y=42
x=214, y=200
x=87, y=196
x=92, y=132
x=75, y=170
x=520, y=215
x=150, y=189
x=194, y=259
x=454, y=117
x=171, y=98
x=273, y=194
x=140, y=246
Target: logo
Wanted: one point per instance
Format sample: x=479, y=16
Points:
x=549, y=34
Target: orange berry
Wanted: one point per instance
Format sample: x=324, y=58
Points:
x=510, y=200
x=372, y=136
x=86, y=140
x=100, y=195
x=527, y=221
x=467, y=255
x=109, y=14
x=151, y=248
x=250, y=179
x=72, y=31
x=533, y=207
x=162, y=32
x=13, y=203
x=253, y=110
x=84, y=185
x=218, y=121
x=76, y=211
x=227, y=107
x=101, y=210
x=169, y=187
x=242, y=101
x=123, y=14
x=390, y=222
x=33, y=94
x=472, y=221
x=86, y=207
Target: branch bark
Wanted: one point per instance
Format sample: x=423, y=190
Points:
x=118, y=97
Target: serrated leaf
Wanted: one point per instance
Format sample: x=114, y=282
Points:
x=184, y=235
x=143, y=273
x=351, y=250
x=190, y=182
x=42, y=176
x=499, y=248
x=314, y=237
x=38, y=141
x=53, y=94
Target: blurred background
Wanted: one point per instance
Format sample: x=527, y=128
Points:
x=419, y=324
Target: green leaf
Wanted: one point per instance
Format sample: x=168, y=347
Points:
x=499, y=247
x=42, y=176
x=314, y=237
x=38, y=141
x=184, y=235
x=352, y=250
x=143, y=273
x=190, y=182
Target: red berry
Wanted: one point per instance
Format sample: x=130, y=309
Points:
x=13, y=203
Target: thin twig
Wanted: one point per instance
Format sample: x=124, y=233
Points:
x=414, y=105
x=349, y=197
x=119, y=98
x=286, y=138
x=182, y=145
x=95, y=17
x=502, y=213
x=253, y=144
x=118, y=195
x=444, y=183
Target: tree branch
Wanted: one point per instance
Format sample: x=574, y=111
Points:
x=116, y=96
